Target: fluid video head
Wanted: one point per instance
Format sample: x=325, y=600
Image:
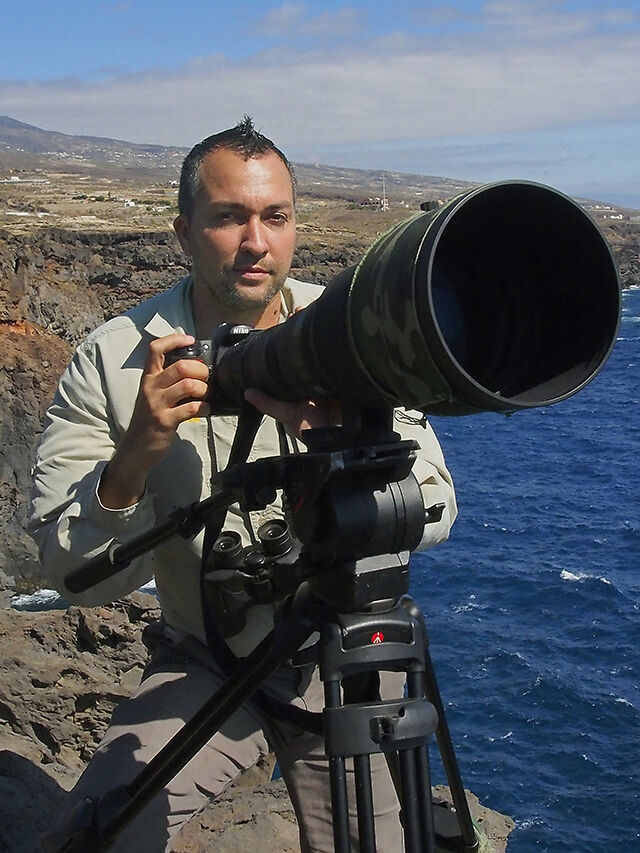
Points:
x=505, y=298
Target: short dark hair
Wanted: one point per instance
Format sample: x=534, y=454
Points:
x=244, y=139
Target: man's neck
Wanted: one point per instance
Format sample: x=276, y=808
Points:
x=209, y=314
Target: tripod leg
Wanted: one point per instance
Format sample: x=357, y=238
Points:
x=426, y=814
x=410, y=802
x=443, y=737
x=339, y=793
x=411, y=777
x=416, y=688
x=339, y=804
x=338, y=782
x=364, y=802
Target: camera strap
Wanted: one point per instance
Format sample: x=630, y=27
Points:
x=249, y=421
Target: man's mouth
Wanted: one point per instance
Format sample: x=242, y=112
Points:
x=252, y=272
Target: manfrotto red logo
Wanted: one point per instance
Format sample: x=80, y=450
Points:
x=377, y=638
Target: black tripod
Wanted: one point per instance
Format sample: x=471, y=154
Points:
x=359, y=514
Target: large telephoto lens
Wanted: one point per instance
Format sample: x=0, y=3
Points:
x=505, y=298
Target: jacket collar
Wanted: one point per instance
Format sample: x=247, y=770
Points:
x=178, y=317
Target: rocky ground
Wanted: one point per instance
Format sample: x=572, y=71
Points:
x=62, y=672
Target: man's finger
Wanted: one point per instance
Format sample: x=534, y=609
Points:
x=185, y=369
x=160, y=346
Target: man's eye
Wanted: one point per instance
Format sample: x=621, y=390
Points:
x=279, y=218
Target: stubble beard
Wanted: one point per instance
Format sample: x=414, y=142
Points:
x=245, y=298
x=224, y=299
x=233, y=297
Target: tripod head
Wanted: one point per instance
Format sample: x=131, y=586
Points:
x=355, y=508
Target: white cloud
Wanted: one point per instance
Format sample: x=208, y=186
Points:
x=539, y=18
x=342, y=23
x=530, y=20
x=534, y=65
x=283, y=19
x=293, y=19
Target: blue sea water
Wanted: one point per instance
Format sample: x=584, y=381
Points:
x=533, y=610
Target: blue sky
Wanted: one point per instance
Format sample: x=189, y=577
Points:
x=534, y=89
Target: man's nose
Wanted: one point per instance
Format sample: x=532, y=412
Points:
x=254, y=237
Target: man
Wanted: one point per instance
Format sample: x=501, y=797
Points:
x=128, y=439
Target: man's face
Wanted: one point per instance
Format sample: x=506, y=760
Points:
x=241, y=232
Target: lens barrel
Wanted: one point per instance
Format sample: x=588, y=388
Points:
x=505, y=298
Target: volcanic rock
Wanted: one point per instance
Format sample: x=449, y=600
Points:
x=62, y=673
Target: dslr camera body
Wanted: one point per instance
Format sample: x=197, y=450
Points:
x=210, y=352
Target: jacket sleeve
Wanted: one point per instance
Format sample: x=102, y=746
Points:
x=67, y=520
x=432, y=474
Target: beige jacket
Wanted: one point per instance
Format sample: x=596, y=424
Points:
x=89, y=414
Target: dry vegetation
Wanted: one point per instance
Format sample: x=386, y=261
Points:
x=72, y=200
x=80, y=196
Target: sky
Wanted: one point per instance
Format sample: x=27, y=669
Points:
x=540, y=90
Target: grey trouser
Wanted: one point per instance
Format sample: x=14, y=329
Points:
x=174, y=687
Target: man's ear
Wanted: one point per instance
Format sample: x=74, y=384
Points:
x=181, y=227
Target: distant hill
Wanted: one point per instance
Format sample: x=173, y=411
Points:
x=27, y=138
x=25, y=145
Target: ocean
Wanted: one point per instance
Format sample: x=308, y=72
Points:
x=533, y=610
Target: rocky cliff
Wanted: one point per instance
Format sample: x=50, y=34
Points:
x=55, y=287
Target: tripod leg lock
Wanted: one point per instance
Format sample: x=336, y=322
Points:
x=77, y=834
x=90, y=825
x=383, y=726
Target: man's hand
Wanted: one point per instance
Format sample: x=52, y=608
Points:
x=296, y=415
x=167, y=397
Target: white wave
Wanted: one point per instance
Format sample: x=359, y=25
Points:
x=620, y=701
x=529, y=823
x=49, y=599
x=43, y=598
x=470, y=605
x=581, y=576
